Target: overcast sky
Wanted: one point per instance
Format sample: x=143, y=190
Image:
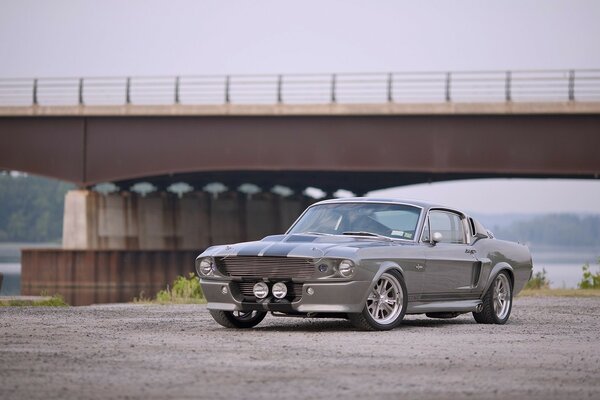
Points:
x=116, y=38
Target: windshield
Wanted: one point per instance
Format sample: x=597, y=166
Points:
x=393, y=220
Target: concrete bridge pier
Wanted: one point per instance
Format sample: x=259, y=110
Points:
x=121, y=245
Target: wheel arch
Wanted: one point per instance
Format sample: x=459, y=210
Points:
x=385, y=266
x=501, y=266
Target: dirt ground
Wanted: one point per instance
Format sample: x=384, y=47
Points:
x=550, y=349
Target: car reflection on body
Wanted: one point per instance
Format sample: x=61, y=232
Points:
x=368, y=260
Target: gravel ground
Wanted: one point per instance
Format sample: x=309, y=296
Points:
x=548, y=350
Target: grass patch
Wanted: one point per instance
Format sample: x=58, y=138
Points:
x=538, y=281
x=539, y=285
x=590, y=280
x=54, y=301
x=547, y=292
x=183, y=291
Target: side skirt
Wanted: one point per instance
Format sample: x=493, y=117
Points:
x=443, y=306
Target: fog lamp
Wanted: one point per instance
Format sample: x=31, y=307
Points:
x=224, y=290
x=346, y=268
x=205, y=268
x=279, y=290
x=310, y=291
x=260, y=290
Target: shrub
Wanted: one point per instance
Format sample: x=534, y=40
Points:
x=590, y=280
x=184, y=290
x=539, y=280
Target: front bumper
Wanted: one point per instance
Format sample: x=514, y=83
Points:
x=328, y=297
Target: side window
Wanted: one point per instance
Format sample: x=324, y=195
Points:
x=449, y=225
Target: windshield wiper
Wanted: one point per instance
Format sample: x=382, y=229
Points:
x=365, y=233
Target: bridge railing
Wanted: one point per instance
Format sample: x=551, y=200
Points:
x=397, y=87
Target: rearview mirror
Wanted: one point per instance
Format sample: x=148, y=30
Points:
x=436, y=237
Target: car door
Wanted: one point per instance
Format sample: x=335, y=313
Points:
x=450, y=263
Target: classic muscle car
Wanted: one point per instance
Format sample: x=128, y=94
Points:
x=368, y=260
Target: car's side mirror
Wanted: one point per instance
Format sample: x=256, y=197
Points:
x=436, y=237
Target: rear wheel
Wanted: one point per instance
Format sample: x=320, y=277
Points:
x=238, y=319
x=497, y=301
x=385, y=306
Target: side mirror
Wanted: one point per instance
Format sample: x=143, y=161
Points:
x=436, y=237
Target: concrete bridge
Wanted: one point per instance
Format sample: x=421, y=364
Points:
x=353, y=143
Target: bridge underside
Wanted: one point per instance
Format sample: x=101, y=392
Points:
x=357, y=153
x=360, y=183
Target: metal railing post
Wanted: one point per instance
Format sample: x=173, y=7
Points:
x=279, y=88
x=448, y=82
x=128, y=91
x=177, y=90
x=333, y=88
x=390, y=84
x=227, y=83
x=507, y=87
x=34, y=94
x=80, y=92
x=571, y=85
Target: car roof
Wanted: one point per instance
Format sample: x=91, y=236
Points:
x=419, y=203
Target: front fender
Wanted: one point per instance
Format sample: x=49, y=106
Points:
x=384, y=267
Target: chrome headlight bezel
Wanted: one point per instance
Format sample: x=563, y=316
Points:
x=206, y=267
x=346, y=268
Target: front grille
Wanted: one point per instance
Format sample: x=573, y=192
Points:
x=266, y=267
x=294, y=289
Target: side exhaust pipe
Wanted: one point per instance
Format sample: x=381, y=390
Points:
x=479, y=308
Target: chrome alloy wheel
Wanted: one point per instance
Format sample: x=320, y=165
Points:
x=386, y=299
x=501, y=296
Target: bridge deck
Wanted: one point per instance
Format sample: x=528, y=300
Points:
x=450, y=108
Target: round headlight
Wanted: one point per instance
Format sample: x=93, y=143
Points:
x=205, y=268
x=279, y=290
x=260, y=290
x=346, y=268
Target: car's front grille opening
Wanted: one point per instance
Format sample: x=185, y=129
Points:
x=294, y=289
x=266, y=267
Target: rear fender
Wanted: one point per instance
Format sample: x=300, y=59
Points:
x=501, y=266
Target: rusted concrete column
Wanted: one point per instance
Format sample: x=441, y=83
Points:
x=226, y=222
x=127, y=221
x=262, y=216
x=79, y=221
x=289, y=209
x=163, y=221
x=192, y=221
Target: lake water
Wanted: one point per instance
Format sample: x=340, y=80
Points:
x=562, y=265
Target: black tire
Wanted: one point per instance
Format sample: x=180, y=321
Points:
x=238, y=319
x=365, y=321
x=491, y=314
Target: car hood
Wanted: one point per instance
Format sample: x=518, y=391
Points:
x=302, y=245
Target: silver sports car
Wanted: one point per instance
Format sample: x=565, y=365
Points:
x=368, y=260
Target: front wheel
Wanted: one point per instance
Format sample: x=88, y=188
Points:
x=385, y=306
x=497, y=301
x=238, y=319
